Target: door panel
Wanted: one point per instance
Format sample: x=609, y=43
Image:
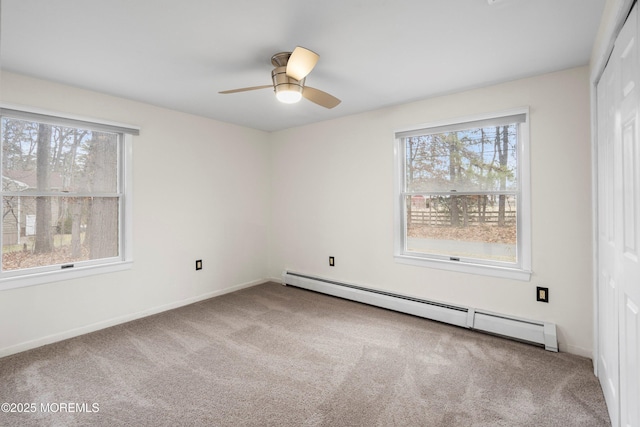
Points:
x=630, y=377
x=607, y=322
x=618, y=184
x=629, y=199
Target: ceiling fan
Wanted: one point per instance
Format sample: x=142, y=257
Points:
x=289, y=76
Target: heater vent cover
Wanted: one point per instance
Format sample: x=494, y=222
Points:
x=530, y=331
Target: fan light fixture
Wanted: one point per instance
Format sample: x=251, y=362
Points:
x=288, y=89
x=289, y=76
x=288, y=96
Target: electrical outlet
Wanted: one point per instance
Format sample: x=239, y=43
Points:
x=198, y=264
x=542, y=294
x=332, y=261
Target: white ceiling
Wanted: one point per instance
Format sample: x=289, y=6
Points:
x=373, y=53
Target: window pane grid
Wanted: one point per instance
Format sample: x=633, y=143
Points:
x=61, y=194
x=71, y=232
x=457, y=193
x=475, y=227
x=460, y=193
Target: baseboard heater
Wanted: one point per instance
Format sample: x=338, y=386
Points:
x=530, y=331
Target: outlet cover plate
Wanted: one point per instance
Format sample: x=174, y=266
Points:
x=542, y=294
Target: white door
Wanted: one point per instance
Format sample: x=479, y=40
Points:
x=629, y=193
x=619, y=228
x=607, y=275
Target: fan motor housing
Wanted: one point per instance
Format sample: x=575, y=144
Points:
x=281, y=59
x=282, y=82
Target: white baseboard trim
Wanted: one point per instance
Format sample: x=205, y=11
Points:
x=579, y=351
x=50, y=339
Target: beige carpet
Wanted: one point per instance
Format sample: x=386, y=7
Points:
x=280, y=356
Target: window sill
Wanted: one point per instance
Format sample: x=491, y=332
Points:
x=465, y=267
x=13, y=282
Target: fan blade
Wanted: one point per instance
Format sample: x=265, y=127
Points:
x=244, y=89
x=319, y=97
x=301, y=62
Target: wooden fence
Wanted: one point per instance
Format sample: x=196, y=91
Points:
x=435, y=218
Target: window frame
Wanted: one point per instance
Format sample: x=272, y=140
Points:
x=521, y=270
x=45, y=274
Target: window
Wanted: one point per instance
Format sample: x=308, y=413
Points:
x=65, y=207
x=462, y=195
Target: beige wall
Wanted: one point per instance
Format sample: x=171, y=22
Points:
x=200, y=187
x=332, y=195
x=252, y=204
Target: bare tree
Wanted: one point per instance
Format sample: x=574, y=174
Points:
x=44, y=236
x=74, y=204
x=103, y=211
x=502, y=147
x=453, y=145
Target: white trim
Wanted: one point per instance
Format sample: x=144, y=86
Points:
x=465, y=119
x=126, y=223
x=584, y=352
x=54, y=273
x=49, y=339
x=498, y=120
x=524, y=181
x=45, y=112
x=595, y=271
x=522, y=271
x=57, y=194
x=279, y=280
x=51, y=276
x=466, y=267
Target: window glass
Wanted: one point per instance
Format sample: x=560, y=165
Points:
x=61, y=196
x=480, y=159
x=469, y=226
x=461, y=193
